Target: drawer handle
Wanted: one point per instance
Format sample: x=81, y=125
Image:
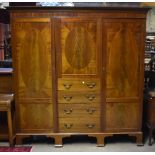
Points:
x=68, y=111
x=90, y=111
x=90, y=126
x=90, y=97
x=90, y=84
x=68, y=126
x=67, y=85
x=67, y=98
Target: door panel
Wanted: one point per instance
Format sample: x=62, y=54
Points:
x=124, y=51
x=122, y=116
x=79, y=47
x=36, y=116
x=32, y=61
x=32, y=54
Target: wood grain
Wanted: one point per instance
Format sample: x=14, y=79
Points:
x=90, y=51
x=79, y=47
x=74, y=97
x=79, y=125
x=33, y=58
x=123, y=61
x=74, y=110
x=34, y=116
x=79, y=84
x=6, y=83
x=32, y=61
x=122, y=116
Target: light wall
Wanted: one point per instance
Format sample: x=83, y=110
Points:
x=150, y=24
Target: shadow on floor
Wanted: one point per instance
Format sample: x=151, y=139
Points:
x=85, y=139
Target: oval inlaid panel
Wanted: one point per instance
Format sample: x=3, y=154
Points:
x=34, y=55
x=78, y=49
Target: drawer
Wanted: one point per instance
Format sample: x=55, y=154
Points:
x=78, y=110
x=76, y=97
x=79, y=125
x=79, y=84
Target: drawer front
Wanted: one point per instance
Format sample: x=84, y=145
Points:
x=77, y=110
x=79, y=84
x=79, y=125
x=76, y=97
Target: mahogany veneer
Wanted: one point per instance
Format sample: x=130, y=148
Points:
x=78, y=71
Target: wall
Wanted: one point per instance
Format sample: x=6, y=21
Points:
x=150, y=25
x=4, y=4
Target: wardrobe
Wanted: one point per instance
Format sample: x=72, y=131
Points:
x=78, y=71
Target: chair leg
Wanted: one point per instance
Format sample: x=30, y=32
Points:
x=10, y=127
x=150, y=135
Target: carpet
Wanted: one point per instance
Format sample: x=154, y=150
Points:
x=16, y=149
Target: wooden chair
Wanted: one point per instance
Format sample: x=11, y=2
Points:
x=151, y=115
x=6, y=104
x=150, y=104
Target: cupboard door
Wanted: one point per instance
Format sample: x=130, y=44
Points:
x=78, y=47
x=123, y=43
x=32, y=57
x=32, y=61
x=35, y=117
x=122, y=117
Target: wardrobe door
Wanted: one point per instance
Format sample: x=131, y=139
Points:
x=78, y=52
x=124, y=45
x=32, y=61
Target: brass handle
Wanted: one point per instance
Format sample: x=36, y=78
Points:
x=90, y=111
x=90, y=97
x=68, y=111
x=68, y=126
x=67, y=85
x=67, y=98
x=91, y=84
x=90, y=126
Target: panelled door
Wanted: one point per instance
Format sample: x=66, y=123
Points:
x=124, y=73
x=32, y=63
x=78, y=53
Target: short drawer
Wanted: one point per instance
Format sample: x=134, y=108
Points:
x=78, y=84
x=76, y=97
x=77, y=110
x=79, y=125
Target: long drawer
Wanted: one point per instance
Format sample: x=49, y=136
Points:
x=78, y=110
x=76, y=97
x=71, y=84
x=79, y=124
